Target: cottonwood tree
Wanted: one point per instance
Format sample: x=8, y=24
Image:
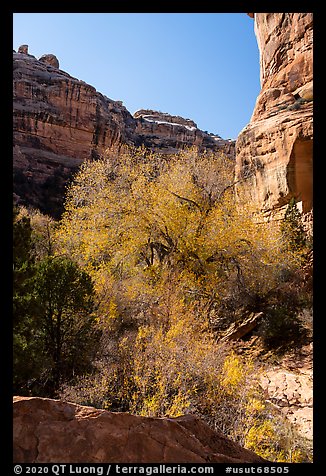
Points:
x=128, y=222
x=174, y=259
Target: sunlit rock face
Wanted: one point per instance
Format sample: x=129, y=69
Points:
x=53, y=431
x=166, y=133
x=60, y=121
x=291, y=391
x=274, y=151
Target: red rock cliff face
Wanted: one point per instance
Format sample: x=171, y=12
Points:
x=274, y=151
x=60, y=121
x=168, y=134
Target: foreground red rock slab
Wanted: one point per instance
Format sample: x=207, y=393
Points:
x=53, y=431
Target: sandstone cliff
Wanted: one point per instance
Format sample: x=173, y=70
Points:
x=274, y=162
x=53, y=431
x=167, y=134
x=274, y=151
x=60, y=121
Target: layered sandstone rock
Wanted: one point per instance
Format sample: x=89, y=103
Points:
x=166, y=133
x=47, y=431
x=274, y=151
x=290, y=388
x=60, y=121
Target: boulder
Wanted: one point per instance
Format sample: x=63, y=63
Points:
x=23, y=49
x=54, y=431
x=50, y=59
x=237, y=330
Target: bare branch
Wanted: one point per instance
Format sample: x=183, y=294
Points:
x=185, y=199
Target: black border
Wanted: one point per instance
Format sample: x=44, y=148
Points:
x=124, y=6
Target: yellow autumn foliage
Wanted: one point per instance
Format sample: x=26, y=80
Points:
x=274, y=441
x=126, y=222
x=173, y=260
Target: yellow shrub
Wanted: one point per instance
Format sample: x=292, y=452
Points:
x=166, y=246
x=273, y=439
x=232, y=373
x=260, y=439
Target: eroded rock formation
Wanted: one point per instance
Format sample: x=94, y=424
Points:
x=23, y=49
x=50, y=59
x=53, y=431
x=290, y=388
x=274, y=151
x=60, y=121
x=168, y=134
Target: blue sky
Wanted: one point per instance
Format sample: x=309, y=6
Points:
x=202, y=66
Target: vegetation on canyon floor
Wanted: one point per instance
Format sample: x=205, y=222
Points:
x=122, y=302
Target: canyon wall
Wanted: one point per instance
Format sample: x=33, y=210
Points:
x=167, y=134
x=60, y=121
x=274, y=151
x=274, y=163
